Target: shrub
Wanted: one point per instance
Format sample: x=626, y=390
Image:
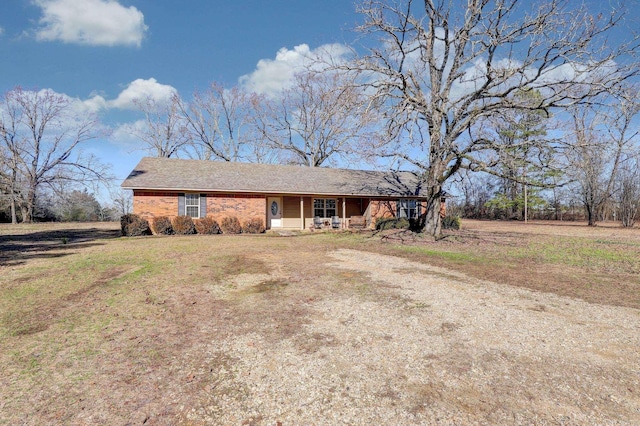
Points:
x=183, y=225
x=392, y=223
x=133, y=225
x=207, y=225
x=230, y=225
x=254, y=225
x=161, y=225
x=451, y=222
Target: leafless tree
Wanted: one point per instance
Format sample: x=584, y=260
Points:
x=602, y=136
x=441, y=66
x=324, y=114
x=10, y=182
x=122, y=201
x=217, y=121
x=629, y=192
x=164, y=131
x=42, y=134
x=475, y=193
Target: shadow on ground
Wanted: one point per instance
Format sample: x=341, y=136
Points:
x=18, y=249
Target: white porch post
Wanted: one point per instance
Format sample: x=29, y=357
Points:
x=302, y=213
x=344, y=212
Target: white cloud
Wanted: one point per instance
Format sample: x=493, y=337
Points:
x=141, y=89
x=137, y=89
x=273, y=75
x=92, y=22
x=95, y=103
x=123, y=134
x=1, y=31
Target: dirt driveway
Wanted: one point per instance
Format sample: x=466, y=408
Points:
x=422, y=345
x=312, y=330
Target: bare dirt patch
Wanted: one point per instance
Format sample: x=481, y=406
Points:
x=316, y=329
x=598, y=264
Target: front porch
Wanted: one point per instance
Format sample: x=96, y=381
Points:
x=322, y=212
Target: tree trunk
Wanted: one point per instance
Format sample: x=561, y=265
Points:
x=433, y=224
x=12, y=190
x=591, y=217
x=429, y=221
x=23, y=211
x=14, y=216
x=27, y=211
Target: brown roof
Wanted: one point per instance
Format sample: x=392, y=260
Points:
x=201, y=175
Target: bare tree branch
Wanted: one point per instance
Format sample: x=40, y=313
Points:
x=164, y=133
x=41, y=136
x=218, y=123
x=441, y=67
x=323, y=115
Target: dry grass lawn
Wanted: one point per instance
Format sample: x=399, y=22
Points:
x=499, y=323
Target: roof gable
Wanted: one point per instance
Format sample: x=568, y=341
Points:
x=217, y=176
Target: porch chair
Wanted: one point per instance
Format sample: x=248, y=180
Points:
x=317, y=222
x=335, y=222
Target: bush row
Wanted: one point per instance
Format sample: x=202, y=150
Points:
x=133, y=225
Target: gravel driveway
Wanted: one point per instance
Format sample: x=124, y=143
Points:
x=423, y=345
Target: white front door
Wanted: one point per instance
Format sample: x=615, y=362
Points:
x=274, y=213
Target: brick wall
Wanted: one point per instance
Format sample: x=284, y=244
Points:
x=381, y=209
x=244, y=207
x=150, y=204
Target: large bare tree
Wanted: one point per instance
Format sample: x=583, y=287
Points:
x=217, y=121
x=10, y=180
x=42, y=134
x=441, y=66
x=322, y=115
x=601, y=137
x=163, y=132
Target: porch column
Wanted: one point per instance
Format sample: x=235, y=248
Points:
x=302, y=213
x=344, y=212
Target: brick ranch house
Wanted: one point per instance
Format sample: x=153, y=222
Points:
x=285, y=197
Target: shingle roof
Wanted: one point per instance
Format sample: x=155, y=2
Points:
x=200, y=175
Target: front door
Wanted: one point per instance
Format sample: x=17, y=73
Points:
x=274, y=213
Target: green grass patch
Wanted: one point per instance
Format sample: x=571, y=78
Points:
x=451, y=256
x=581, y=253
x=622, y=243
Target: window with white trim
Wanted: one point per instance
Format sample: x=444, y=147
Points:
x=192, y=205
x=324, y=207
x=409, y=209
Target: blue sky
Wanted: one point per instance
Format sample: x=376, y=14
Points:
x=103, y=52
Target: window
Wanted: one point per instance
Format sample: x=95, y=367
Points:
x=192, y=205
x=408, y=208
x=324, y=207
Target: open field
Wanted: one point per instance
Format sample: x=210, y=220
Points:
x=499, y=323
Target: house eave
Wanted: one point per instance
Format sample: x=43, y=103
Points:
x=272, y=193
